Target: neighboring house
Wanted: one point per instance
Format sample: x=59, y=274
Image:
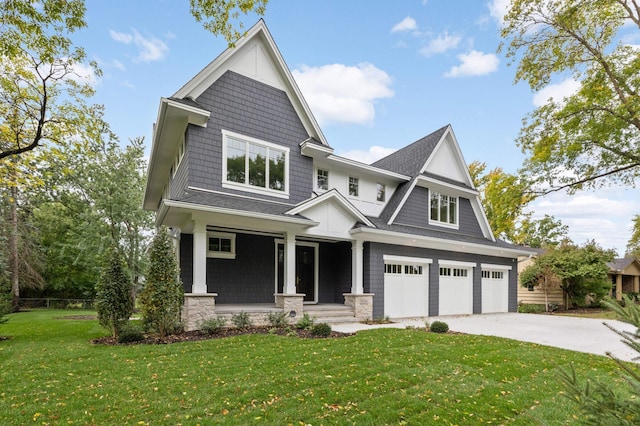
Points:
x=265, y=214
x=532, y=294
x=625, y=276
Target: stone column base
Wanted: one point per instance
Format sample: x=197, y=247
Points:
x=196, y=308
x=291, y=304
x=362, y=305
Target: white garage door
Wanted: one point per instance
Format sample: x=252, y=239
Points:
x=456, y=288
x=495, y=289
x=406, y=287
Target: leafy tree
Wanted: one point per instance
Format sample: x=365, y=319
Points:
x=161, y=298
x=598, y=401
x=633, y=246
x=542, y=276
x=218, y=16
x=503, y=196
x=113, y=294
x=545, y=232
x=581, y=271
x=591, y=137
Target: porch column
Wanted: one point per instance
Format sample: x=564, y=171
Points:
x=289, y=263
x=619, y=287
x=636, y=284
x=199, y=258
x=356, y=267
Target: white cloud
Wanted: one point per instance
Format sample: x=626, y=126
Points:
x=556, y=91
x=119, y=65
x=84, y=74
x=474, y=63
x=407, y=24
x=603, y=215
x=341, y=93
x=498, y=8
x=373, y=154
x=441, y=44
x=149, y=49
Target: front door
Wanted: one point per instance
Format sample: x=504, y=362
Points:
x=306, y=272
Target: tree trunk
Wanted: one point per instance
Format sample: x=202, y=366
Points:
x=14, y=262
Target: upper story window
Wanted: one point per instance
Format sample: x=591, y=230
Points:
x=380, y=192
x=253, y=165
x=353, y=186
x=444, y=209
x=179, y=155
x=322, y=179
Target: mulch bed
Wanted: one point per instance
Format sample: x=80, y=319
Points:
x=194, y=336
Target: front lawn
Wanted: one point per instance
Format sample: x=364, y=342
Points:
x=52, y=374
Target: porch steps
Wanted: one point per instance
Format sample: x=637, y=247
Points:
x=330, y=313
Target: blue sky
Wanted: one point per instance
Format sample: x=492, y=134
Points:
x=378, y=75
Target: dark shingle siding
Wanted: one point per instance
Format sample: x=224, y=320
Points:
x=248, y=107
x=415, y=211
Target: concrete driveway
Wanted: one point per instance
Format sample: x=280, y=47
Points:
x=576, y=334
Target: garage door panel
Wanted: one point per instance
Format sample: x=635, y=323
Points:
x=456, y=290
x=406, y=290
x=495, y=291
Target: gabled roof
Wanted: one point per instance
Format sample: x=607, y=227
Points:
x=411, y=159
x=256, y=56
x=331, y=195
x=619, y=265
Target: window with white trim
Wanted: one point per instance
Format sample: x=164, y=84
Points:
x=322, y=179
x=255, y=165
x=453, y=272
x=392, y=268
x=353, y=186
x=443, y=209
x=380, y=191
x=413, y=269
x=494, y=275
x=221, y=245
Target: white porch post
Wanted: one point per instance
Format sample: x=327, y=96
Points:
x=356, y=267
x=289, y=263
x=199, y=258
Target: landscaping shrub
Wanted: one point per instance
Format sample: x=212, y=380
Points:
x=213, y=325
x=530, y=308
x=305, y=323
x=439, y=327
x=161, y=298
x=321, y=330
x=113, y=294
x=277, y=319
x=130, y=332
x=241, y=320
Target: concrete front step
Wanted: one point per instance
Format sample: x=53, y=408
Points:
x=335, y=319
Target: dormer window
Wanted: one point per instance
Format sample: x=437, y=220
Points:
x=443, y=209
x=253, y=165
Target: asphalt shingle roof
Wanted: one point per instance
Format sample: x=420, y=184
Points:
x=620, y=264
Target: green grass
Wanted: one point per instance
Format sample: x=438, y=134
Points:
x=596, y=313
x=52, y=374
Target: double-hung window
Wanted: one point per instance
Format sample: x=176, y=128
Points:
x=380, y=192
x=322, y=179
x=253, y=165
x=443, y=209
x=353, y=186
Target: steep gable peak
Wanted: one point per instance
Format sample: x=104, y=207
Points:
x=446, y=160
x=255, y=55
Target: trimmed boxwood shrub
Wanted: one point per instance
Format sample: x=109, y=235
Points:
x=212, y=325
x=439, y=327
x=321, y=330
x=130, y=332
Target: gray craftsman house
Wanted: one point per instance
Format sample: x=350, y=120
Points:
x=266, y=217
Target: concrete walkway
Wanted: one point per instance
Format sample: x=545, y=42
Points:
x=576, y=334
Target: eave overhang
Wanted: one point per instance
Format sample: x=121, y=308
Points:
x=173, y=119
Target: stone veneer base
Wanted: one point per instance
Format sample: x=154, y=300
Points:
x=197, y=307
x=362, y=305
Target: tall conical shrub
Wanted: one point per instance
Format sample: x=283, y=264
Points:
x=161, y=298
x=113, y=294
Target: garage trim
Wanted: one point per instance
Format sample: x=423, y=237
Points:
x=494, y=267
x=458, y=263
x=405, y=259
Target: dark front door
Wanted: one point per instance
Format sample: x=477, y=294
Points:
x=306, y=272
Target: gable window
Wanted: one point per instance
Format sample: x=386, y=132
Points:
x=322, y=179
x=221, y=245
x=353, y=186
x=380, y=191
x=444, y=209
x=255, y=165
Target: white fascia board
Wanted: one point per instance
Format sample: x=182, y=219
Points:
x=367, y=168
x=478, y=210
x=205, y=78
x=497, y=267
x=406, y=259
x=460, y=158
x=449, y=188
x=404, y=199
x=445, y=262
x=390, y=237
x=332, y=194
x=163, y=148
x=221, y=210
x=314, y=150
